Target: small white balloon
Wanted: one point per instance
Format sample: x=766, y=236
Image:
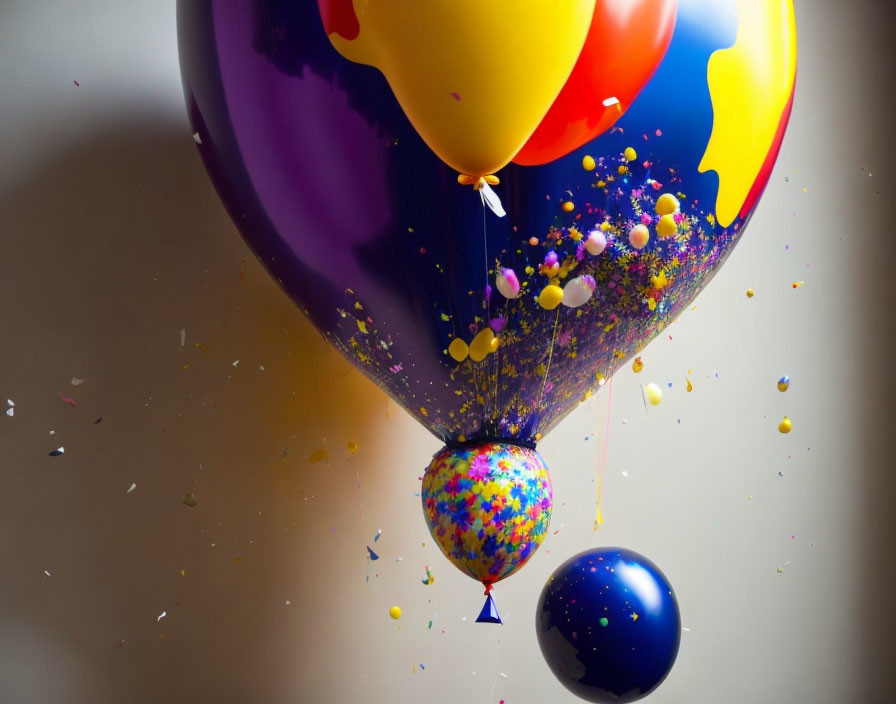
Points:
x=507, y=283
x=596, y=242
x=578, y=291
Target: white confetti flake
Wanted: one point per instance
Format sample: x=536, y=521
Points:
x=161, y=616
x=236, y=362
x=10, y=412
x=624, y=473
x=183, y=336
x=131, y=488
x=47, y=573
x=197, y=138
x=288, y=602
x=77, y=382
x=608, y=102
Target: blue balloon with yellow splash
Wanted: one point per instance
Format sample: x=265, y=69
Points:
x=618, y=209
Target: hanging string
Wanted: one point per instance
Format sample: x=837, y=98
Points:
x=602, y=465
x=547, y=368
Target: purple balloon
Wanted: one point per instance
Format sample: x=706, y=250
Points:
x=395, y=262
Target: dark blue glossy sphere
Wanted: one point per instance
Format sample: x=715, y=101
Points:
x=608, y=625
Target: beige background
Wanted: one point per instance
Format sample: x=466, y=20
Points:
x=113, y=240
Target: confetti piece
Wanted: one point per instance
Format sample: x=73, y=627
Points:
x=783, y=383
x=690, y=386
x=47, y=573
x=608, y=102
x=131, y=488
x=236, y=362
x=395, y=612
x=317, y=456
x=371, y=555
x=379, y=532
x=352, y=447
x=183, y=336
x=77, y=382
x=604, y=621
x=429, y=579
x=637, y=365
x=67, y=399
x=779, y=570
x=161, y=616
x=197, y=138
x=58, y=451
x=634, y=617
x=183, y=573
x=190, y=500
x=97, y=421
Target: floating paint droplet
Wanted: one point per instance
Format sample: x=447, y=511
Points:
x=604, y=621
x=395, y=612
x=317, y=456
x=58, y=451
x=588, y=163
x=783, y=383
x=568, y=206
x=797, y=284
x=352, y=447
x=654, y=394
x=785, y=426
x=630, y=154
x=638, y=365
x=690, y=386
x=190, y=500
x=750, y=293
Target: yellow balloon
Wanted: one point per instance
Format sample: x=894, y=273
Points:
x=550, y=297
x=482, y=345
x=395, y=612
x=458, y=350
x=474, y=78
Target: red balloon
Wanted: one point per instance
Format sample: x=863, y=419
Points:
x=624, y=46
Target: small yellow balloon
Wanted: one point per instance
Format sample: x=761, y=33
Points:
x=481, y=345
x=666, y=227
x=667, y=204
x=750, y=293
x=568, y=206
x=638, y=236
x=395, y=612
x=588, y=163
x=630, y=154
x=785, y=426
x=550, y=297
x=654, y=394
x=458, y=350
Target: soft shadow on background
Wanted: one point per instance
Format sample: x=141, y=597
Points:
x=110, y=249
x=113, y=241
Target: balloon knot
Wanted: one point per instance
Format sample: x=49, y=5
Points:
x=477, y=181
x=488, y=588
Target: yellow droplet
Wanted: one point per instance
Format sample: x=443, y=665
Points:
x=317, y=456
x=666, y=227
x=481, y=345
x=750, y=293
x=785, y=426
x=690, y=385
x=621, y=169
x=461, y=438
x=637, y=365
x=654, y=394
x=540, y=369
x=395, y=612
x=183, y=572
x=352, y=447
x=550, y=297
x=667, y=204
x=588, y=163
x=568, y=206
x=537, y=437
x=495, y=344
x=458, y=350
x=630, y=154
x=634, y=616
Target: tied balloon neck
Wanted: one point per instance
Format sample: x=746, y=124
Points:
x=489, y=613
x=487, y=440
x=483, y=184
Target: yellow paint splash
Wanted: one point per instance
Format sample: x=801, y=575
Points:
x=750, y=84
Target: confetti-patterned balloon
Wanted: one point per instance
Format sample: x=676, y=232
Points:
x=488, y=507
x=608, y=625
